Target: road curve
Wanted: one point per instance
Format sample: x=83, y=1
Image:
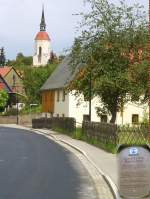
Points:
x=34, y=167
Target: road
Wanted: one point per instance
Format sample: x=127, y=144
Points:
x=34, y=167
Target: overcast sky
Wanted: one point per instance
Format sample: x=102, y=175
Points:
x=20, y=19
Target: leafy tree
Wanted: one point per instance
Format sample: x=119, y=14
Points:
x=33, y=80
x=33, y=77
x=3, y=99
x=21, y=61
x=2, y=57
x=112, y=47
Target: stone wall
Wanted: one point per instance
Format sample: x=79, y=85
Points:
x=23, y=119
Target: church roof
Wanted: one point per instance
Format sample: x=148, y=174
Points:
x=62, y=75
x=42, y=35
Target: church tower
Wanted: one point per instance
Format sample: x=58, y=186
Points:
x=42, y=45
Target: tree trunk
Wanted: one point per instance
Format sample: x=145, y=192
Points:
x=114, y=113
x=113, y=118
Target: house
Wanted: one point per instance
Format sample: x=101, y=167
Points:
x=4, y=85
x=59, y=102
x=13, y=79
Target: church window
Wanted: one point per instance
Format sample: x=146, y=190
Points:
x=40, y=51
x=40, y=54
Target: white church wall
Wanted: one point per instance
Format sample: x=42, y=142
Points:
x=46, y=51
x=61, y=107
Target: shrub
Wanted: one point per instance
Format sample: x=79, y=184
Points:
x=12, y=111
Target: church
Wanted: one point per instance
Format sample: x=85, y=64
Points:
x=42, y=50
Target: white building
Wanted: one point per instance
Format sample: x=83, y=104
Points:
x=57, y=101
x=42, y=51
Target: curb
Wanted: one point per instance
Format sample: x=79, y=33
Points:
x=108, y=180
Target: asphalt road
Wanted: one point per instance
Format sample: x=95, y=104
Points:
x=34, y=167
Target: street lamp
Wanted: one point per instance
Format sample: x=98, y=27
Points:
x=16, y=96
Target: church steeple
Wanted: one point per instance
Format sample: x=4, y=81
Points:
x=43, y=50
x=43, y=24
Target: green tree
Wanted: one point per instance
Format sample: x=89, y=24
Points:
x=3, y=99
x=2, y=57
x=21, y=61
x=33, y=77
x=33, y=80
x=109, y=49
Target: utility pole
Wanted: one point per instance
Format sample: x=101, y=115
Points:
x=90, y=96
x=16, y=97
x=149, y=75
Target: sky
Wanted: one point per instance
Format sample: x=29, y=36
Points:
x=20, y=19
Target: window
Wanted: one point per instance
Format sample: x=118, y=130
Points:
x=58, y=95
x=63, y=96
x=104, y=118
x=40, y=54
x=86, y=118
x=135, y=119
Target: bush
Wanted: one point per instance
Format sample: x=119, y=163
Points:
x=30, y=110
x=12, y=111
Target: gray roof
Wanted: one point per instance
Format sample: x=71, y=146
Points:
x=60, y=77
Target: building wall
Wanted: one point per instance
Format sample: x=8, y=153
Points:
x=46, y=51
x=76, y=107
x=61, y=107
x=19, y=87
x=130, y=109
x=77, y=110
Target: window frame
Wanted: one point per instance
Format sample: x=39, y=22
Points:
x=104, y=118
x=135, y=118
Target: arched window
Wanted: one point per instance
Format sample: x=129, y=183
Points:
x=40, y=54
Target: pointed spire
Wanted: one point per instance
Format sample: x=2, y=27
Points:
x=43, y=24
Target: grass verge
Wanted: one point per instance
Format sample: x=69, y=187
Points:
x=78, y=134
